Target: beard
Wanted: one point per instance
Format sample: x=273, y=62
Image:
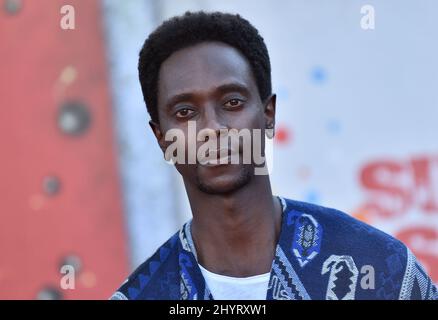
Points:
x=242, y=178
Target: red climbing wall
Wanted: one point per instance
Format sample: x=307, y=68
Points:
x=60, y=198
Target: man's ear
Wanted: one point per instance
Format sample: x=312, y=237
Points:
x=269, y=111
x=156, y=129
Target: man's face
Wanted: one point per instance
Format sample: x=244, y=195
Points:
x=212, y=85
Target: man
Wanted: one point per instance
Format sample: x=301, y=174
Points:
x=213, y=70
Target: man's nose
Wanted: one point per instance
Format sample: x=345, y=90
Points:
x=212, y=125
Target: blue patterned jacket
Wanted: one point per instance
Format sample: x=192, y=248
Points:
x=322, y=254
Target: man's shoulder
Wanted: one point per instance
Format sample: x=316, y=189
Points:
x=398, y=274
x=156, y=278
x=343, y=228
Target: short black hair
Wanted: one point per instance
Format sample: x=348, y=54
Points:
x=193, y=28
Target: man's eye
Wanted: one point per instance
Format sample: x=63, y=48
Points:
x=233, y=103
x=184, y=113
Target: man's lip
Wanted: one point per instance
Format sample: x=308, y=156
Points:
x=218, y=151
x=217, y=161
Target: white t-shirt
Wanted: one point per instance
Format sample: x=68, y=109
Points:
x=231, y=288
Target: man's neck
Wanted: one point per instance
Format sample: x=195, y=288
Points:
x=236, y=234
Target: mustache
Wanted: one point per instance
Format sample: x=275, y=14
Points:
x=218, y=155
